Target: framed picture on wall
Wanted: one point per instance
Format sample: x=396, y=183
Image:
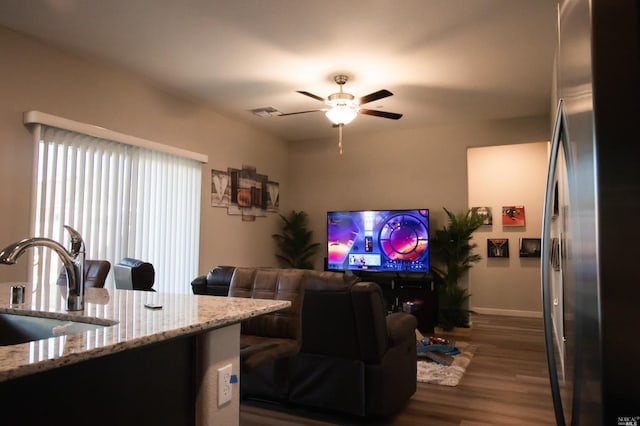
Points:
x=220, y=190
x=485, y=213
x=530, y=247
x=513, y=216
x=497, y=247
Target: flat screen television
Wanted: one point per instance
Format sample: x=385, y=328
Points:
x=378, y=240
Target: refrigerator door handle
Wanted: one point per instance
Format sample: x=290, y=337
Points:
x=557, y=140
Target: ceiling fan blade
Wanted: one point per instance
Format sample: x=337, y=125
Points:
x=300, y=112
x=375, y=96
x=311, y=95
x=383, y=114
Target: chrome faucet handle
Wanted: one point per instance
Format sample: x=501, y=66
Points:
x=77, y=244
x=75, y=284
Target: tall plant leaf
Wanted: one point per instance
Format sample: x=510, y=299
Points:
x=452, y=247
x=295, y=242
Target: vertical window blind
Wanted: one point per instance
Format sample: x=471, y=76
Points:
x=125, y=200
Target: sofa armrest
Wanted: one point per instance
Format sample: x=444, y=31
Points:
x=199, y=285
x=215, y=283
x=400, y=326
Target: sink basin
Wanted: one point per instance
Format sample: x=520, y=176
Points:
x=22, y=328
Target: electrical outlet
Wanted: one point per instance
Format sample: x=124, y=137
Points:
x=224, y=385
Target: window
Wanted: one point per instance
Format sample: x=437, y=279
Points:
x=125, y=201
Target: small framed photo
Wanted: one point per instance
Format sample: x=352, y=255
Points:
x=530, y=247
x=485, y=213
x=497, y=247
x=513, y=216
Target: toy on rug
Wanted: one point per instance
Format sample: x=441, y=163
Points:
x=436, y=349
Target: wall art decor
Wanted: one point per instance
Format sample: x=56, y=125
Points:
x=530, y=247
x=219, y=188
x=273, y=196
x=485, y=212
x=244, y=192
x=497, y=247
x=513, y=216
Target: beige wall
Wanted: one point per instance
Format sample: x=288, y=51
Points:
x=427, y=168
x=37, y=77
x=503, y=176
x=424, y=167
x=420, y=168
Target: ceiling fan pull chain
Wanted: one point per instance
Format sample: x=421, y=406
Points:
x=340, y=137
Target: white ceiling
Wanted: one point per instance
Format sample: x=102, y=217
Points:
x=445, y=61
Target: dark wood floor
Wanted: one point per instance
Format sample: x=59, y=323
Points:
x=505, y=384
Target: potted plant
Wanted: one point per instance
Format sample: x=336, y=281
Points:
x=452, y=249
x=295, y=245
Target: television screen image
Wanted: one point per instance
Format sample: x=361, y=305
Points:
x=378, y=240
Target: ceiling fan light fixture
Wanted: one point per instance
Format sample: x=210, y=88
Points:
x=343, y=109
x=341, y=114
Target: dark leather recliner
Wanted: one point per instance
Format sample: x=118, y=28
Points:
x=354, y=358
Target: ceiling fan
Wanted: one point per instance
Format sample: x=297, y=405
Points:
x=344, y=107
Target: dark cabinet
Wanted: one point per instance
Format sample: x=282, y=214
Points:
x=150, y=385
x=398, y=290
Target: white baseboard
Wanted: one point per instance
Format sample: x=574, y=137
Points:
x=508, y=312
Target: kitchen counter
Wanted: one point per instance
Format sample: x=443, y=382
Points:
x=213, y=321
x=181, y=315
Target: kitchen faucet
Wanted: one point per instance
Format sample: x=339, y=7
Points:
x=73, y=261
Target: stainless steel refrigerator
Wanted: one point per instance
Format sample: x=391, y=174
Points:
x=591, y=231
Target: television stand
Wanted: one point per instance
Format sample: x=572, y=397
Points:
x=400, y=288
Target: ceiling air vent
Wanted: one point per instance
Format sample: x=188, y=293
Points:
x=267, y=111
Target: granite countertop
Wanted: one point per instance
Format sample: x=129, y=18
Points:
x=135, y=325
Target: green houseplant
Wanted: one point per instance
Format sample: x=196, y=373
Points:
x=452, y=250
x=295, y=242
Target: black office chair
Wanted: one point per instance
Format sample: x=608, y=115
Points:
x=134, y=274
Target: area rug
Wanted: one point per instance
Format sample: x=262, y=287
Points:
x=437, y=374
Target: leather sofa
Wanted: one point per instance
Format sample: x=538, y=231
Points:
x=266, y=338
x=354, y=357
x=215, y=283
